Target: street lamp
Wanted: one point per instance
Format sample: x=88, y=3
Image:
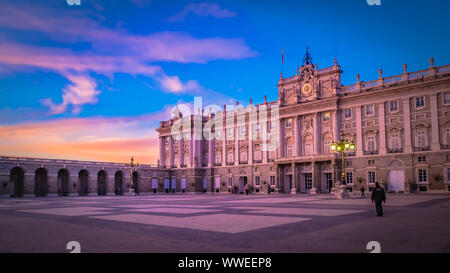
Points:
x=340, y=147
x=132, y=168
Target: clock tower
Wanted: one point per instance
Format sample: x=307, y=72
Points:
x=309, y=83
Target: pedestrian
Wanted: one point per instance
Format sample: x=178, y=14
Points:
x=362, y=191
x=246, y=189
x=378, y=196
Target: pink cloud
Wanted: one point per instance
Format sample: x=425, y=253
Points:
x=202, y=10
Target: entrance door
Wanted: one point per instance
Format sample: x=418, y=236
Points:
x=242, y=183
x=288, y=183
x=328, y=181
x=308, y=182
x=396, y=180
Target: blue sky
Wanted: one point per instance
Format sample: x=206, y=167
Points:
x=124, y=64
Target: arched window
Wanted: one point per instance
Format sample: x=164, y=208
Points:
x=327, y=139
x=309, y=145
x=230, y=156
x=243, y=155
x=290, y=146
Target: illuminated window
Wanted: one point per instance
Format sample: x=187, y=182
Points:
x=347, y=113
x=420, y=102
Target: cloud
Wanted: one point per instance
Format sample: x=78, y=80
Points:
x=111, y=51
x=96, y=138
x=81, y=91
x=202, y=10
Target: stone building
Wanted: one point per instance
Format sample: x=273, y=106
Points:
x=400, y=126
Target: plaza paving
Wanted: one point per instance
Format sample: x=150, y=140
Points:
x=224, y=223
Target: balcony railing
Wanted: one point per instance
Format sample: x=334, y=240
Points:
x=395, y=151
x=218, y=164
x=370, y=152
x=243, y=162
x=183, y=165
x=230, y=163
x=445, y=147
x=204, y=164
x=257, y=161
x=350, y=154
x=421, y=149
x=270, y=160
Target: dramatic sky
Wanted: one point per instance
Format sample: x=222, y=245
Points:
x=93, y=81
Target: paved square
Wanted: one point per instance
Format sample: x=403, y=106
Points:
x=225, y=223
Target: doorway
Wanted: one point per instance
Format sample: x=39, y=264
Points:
x=242, y=183
x=396, y=180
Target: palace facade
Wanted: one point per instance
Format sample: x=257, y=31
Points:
x=399, y=125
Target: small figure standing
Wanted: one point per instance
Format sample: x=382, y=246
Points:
x=246, y=189
x=378, y=196
x=362, y=191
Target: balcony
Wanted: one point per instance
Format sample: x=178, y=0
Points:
x=243, y=162
x=183, y=165
x=370, y=152
x=230, y=163
x=204, y=164
x=350, y=154
x=445, y=147
x=421, y=149
x=270, y=160
x=257, y=161
x=395, y=151
x=217, y=164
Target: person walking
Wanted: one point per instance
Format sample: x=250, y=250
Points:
x=246, y=189
x=362, y=191
x=378, y=196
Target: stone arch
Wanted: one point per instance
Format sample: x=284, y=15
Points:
x=118, y=183
x=40, y=182
x=396, y=163
x=63, y=182
x=101, y=183
x=83, y=182
x=17, y=176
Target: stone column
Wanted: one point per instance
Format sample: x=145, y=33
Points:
x=333, y=175
x=336, y=136
x=407, y=125
x=294, y=177
x=52, y=182
x=224, y=147
x=110, y=183
x=296, y=137
x=435, y=144
x=171, y=152
x=180, y=151
x=382, y=126
x=359, y=138
x=211, y=148
x=28, y=185
x=236, y=145
x=161, y=152
x=280, y=138
x=250, y=143
x=191, y=150
x=92, y=182
x=316, y=129
x=314, y=178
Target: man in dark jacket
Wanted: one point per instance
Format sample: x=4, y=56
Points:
x=378, y=196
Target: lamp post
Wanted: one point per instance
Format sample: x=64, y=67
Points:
x=340, y=147
x=132, y=168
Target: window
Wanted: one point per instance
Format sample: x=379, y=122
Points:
x=422, y=176
x=447, y=136
x=371, y=143
x=395, y=141
x=326, y=116
x=272, y=181
x=272, y=125
x=183, y=183
x=154, y=183
x=347, y=113
x=256, y=128
x=370, y=110
x=289, y=150
x=421, y=138
x=326, y=146
x=420, y=102
x=348, y=163
x=174, y=183
x=257, y=181
x=243, y=130
x=447, y=98
x=308, y=180
x=217, y=183
x=218, y=134
x=371, y=162
x=349, y=178
x=448, y=175
x=244, y=156
x=218, y=158
x=230, y=157
x=308, y=145
x=421, y=159
x=166, y=184
x=205, y=183
x=393, y=106
x=230, y=132
x=371, y=179
x=289, y=123
x=230, y=182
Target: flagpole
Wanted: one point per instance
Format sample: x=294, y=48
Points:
x=282, y=61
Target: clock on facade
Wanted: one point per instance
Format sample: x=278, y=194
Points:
x=306, y=89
